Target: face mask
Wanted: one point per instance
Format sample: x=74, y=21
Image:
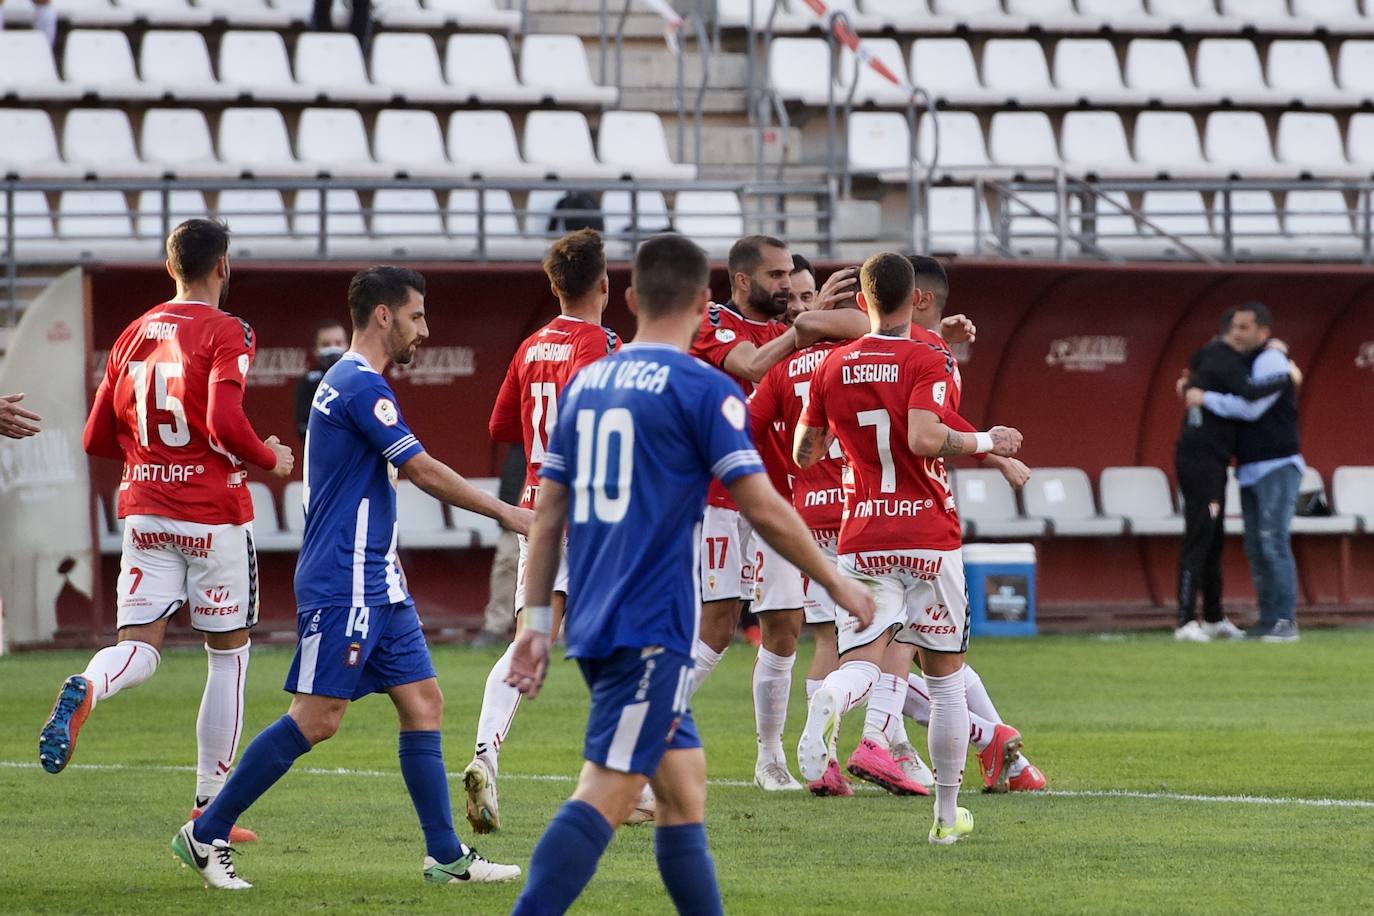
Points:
x=328, y=356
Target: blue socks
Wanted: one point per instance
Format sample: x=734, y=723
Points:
x=687, y=870
x=264, y=761
x=422, y=766
x=564, y=860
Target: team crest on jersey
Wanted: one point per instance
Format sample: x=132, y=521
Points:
x=354, y=655
x=385, y=412
x=937, y=393
x=736, y=414
x=243, y=364
x=725, y=335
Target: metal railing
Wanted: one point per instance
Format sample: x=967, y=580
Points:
x=468, y=222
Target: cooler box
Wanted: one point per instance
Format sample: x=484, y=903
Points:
x=1001, y=588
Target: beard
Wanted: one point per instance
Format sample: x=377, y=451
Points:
x=768, y=303
x=401, y=350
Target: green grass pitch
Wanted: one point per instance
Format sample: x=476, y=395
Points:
x=1126, y=728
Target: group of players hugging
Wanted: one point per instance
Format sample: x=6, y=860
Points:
x=784, y=449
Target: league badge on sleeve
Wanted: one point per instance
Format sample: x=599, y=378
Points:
x=725, y=335
x=736, y=414
x=385, y=412
x=937, y=394
x=243, y=364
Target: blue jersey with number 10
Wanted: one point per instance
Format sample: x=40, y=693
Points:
x=640, y=434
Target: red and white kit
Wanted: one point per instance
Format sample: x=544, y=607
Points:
x=775, y=409
x=527, y=406
x=173, y=375
x=900, y=533
x=727, y=571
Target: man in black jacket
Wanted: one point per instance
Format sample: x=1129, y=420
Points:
x=1205, y=445
x=331, y=340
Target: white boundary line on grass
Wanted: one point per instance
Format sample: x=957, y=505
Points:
x=1357, y=803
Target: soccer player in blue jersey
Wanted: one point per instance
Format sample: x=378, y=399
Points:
x=358, y=632
x=639, y=436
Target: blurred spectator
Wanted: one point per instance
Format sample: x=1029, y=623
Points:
x=360, y=21
x=331, y=340
x=499, y=618
x=1270, y=467
x=15, y=420
x=44, y=19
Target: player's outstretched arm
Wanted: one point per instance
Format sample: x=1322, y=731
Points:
x=448, y=486
x=842, y=324
x=810, y=445
x=530, y=654
x=929, y=437
x=747, y=361
x=230, y=428
x=14, y=419
x=779, y=525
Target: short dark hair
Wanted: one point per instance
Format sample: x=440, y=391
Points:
x=669, y=272
x=194, y=247
x=888, y=281
x=328, y=323
x=575, y=263
x=1263, y=317
x=381, y=285
x=930, y=276
x=747, y=253
x=800, y=263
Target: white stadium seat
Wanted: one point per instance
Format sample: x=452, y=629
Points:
x=28, y=146
x=1238, y=141
x=482, y=68
x=166, y=12
x=407, y=223
x=254, y=141
x=335, y=142
x=256, y=14
x=150, y=222
x=100, y=62
x=347, y=230
x=420, y=520
x=986, y=502
x=871, y=86
x=557, y=66
x=1052, y=15
x=539, y=208
x=712, y=219
x=1184, y=216
x=1355, y=70
x=292, y=508
x=408, y=14
x=1352, y=494
x=975, y=14
x=1157, y=70
x=1333, y=15
x=1359, y=141
x=27, y=69
x=493, y=216
x=1229, y=70
x=1016, y=68
x=256, y=62
x=799, y=69
x=98, y=223
x=1169, y=142
x=736, y=14
x=32, y=219
x=945, y=68
x=484, y=531
x=1255, y=224
x=636, y=141
x=646, y=211
x=412, y=144
x=1265, y=16
x=963, y=151
x=334, y=63
x=1321, y=524
x=955, y=217
x=1064, y=498
x=101, y=142
x=1320, y=223
x=1191, y=15
x=1301, y=70
x=560, y=142
x=81, y=13
x=1094, y=143
x=1023, y=141
x=258, y=225
x=878, y=141
x=180, y=61
x=475, y=14
x=268, y=535
x=482, y=143
x=178, y=141
x=1311, y=142
x=408, y=65
x=1121, y=15
x=1088, y=70
x=1141, y=496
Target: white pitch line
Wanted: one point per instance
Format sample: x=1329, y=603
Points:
x=1355, y=803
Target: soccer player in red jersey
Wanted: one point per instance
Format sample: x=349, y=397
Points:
x=526, y=411
x=886, y=398
x=171, y=408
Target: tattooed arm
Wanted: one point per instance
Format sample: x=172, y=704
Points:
x=929, y=437
x=810, y=445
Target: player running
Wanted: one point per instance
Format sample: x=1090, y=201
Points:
x=526, y=411
x=357, y=629
x=170, y=407
x=640, y=435
x=885, y=397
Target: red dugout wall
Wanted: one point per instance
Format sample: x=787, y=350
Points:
x=1082, y=358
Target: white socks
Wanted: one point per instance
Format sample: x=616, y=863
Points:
x=885, y=710
x=949, y=726
x=772, y=688
x=852, y=682
x=499, y=703
x=706, y=660
x=45, y=21
x=126, y=664
x=812, y=685
x=978, y=700
x=219, y=727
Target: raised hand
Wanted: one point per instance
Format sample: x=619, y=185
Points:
x=958, y=329
x=1006, y=441
x=13, y=418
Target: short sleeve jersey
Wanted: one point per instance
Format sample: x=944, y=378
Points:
x=780, y=398
x=722, y=330
x=640, y=435
x=862, y=392
x=159, y=373
x=527, y=406
x=354, y=444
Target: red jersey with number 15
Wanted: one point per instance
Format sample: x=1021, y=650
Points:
x=527, y=406
x=862, y=392
x=159, y=375
x=723, y=329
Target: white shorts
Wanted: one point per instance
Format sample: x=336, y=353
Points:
x=819, y=606
x=726, y=570
x=560, y=578
x=212, y=569
x=921, y=593
x=777, y=583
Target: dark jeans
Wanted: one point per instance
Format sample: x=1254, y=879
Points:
x=360, y=23
x=1268, y=507
x=1203, y=482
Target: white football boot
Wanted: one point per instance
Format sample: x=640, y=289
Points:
x=214, y=861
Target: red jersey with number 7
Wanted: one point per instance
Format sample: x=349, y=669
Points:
x=526, y=408
x=158, y=377
x=862, y=392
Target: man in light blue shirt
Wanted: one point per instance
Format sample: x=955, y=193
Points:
x=1270, y=469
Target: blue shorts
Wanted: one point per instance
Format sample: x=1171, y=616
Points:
x=350, y=652
x=640, y=708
